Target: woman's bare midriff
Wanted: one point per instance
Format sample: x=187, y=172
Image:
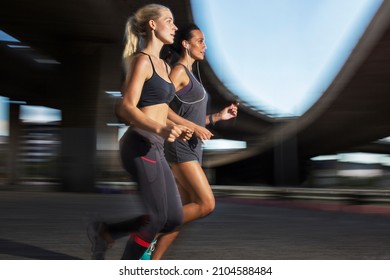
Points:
x=158, y=112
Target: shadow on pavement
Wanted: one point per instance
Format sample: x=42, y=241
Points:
x=18, y=249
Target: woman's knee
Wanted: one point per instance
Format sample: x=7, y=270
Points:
x=173, y=222
x=207, y=206
x=167, y=222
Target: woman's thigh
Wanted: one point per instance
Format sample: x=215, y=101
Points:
x=193, y=181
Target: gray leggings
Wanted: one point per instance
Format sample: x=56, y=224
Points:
x=143, y=157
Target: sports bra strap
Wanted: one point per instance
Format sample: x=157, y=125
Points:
x=151, y=61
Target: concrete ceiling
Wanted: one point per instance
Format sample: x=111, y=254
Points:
x=353, y=112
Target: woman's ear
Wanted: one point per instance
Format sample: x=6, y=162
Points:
x=152, y=24
x=185, y=44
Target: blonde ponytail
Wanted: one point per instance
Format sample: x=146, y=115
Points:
x=131, y=40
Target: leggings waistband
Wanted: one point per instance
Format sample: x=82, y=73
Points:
x=150, y=136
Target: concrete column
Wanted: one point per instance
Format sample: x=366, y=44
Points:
x=13, y=144
x=78, y=91
x=286, y=165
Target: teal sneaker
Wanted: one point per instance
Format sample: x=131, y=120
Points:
x=147, y=256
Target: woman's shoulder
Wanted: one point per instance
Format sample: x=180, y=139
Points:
x=179, y=66
x=138, y=64
x=140, y=57
x=179, y=76
x=179, y=69
x=139, y=60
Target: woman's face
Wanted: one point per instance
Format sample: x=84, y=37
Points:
x=165, y=28
x=197, y=45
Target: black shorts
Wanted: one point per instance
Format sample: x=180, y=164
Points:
x=183, y=151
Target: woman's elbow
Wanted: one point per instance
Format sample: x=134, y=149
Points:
x=120, y=112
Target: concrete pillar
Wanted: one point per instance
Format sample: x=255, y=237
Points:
x=78, y=91
x=13, y=144
x=286, y=165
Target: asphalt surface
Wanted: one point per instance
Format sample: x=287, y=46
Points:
x=52, y=225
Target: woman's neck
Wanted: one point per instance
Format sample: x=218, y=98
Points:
x=187, y=62
x=153, y=49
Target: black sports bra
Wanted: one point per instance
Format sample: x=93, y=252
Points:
x=156, y=90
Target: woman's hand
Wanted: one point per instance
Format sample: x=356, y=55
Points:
x=229, y=112
x=171, y=132
x=202, y=133
x=186, y=133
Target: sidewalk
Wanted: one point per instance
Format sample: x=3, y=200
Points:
x=51, y=225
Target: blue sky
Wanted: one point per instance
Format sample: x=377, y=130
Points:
x=281, y=55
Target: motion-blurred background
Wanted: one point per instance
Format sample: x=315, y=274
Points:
x=312, y=80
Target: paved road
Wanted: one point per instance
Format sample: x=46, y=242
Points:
x=51, y=225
